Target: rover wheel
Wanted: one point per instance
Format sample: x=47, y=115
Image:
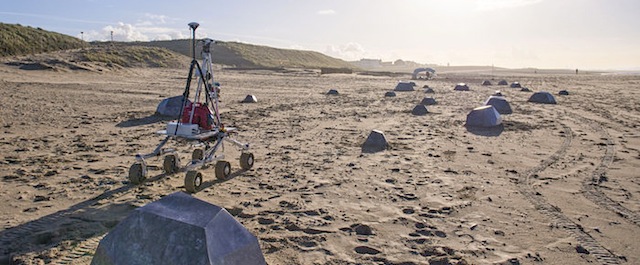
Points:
x=246, y=161
x=193, y=181
x=136, y=173
x=198, y=154
x=170, y=164
x=223, y=170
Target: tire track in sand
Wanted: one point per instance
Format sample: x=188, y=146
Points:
x=41, y=224
x=602, y=254
x=591, y=184
x=85, y=246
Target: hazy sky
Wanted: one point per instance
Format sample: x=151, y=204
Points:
x=586, y=34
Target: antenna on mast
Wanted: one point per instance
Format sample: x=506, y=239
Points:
x=193, y=26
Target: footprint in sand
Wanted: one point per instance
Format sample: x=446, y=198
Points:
x=429, y=233
x=408, y=211
x=363, y=230
x=359, y=229
x=265, y=221
x=367, y=250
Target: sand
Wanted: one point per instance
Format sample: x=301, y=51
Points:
x=557, y=184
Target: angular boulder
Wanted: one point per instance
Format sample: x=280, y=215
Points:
x=485, y=116
x=376, y=142
x=428, y=101
x=500, y=104
x=404, y=86
x=178, y=229
x=170, y=106
x=419, y=110
x=333, y=92
x=249, y=99
x=542, y=97
x=461, y=87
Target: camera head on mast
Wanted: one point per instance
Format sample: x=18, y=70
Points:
x=206, y=44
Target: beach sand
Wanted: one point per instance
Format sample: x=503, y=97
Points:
x=556, y=184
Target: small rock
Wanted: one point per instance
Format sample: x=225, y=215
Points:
x=50, y=173
x=580, y=249
x=30, y=210
x=408, y=211
x=513, y=261
x=39, y=198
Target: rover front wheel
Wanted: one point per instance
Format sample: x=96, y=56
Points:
x=246, y=161
x=223, y=170
x=193, y=181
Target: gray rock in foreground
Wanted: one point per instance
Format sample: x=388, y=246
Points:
x=179, y=229
x=376, y=142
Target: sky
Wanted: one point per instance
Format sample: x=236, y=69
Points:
x=568, y=34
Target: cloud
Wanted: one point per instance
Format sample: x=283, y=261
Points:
x=149, y=19
x=486, y=5
x=139, y=32
x=126, y=32
x=350, y=51
x=326, y=12
x=158, y=19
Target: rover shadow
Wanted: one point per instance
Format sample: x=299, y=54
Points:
x=215, y=181
x=155, y=118
x=69, y=227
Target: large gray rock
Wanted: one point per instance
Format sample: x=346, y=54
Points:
x=333, y=92
x=420, y=110
x=179, y=229
x=376, y=142
x=404, y=86
x=500, y=104
x=485, y=116
x=170, y=106
x=461, y=87
x=249, y=99
x=542, y=97
x=427, y=101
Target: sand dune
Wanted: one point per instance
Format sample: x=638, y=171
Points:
x=557, y=184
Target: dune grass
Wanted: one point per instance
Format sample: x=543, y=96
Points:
x=23, y=40
x=244, y=55
x=274, y=57
x=132, y=56
x=16, y=39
